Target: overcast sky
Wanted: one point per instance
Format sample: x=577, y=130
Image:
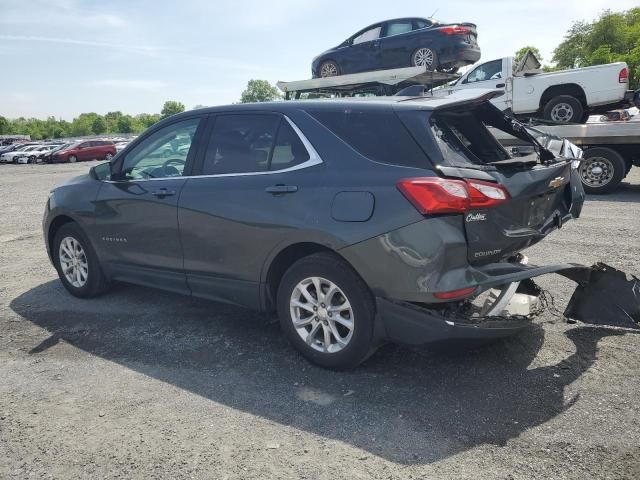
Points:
x=65, y=57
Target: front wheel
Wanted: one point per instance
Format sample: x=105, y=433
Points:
x=327, y=311
x=77, y=264
x=602, y=170
x=109, y=156
x=425, y=57
x=73, y=159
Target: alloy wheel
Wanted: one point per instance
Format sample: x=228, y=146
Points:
x=328, y=69
x=73, y=262
x=423, y=58
x=596, y=172
x=322, y=314
x=562, y=112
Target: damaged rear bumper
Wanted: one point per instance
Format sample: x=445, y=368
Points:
x=604, y=296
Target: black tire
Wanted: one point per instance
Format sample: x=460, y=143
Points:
x=73, y=159
x=32, y=159
x=613, y=164
x=96, y=283
x=554, y=111
x=434, y=62
x=108, y=156
x=331, y=267
x=330, y=65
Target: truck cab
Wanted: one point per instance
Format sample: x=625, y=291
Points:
x=564, y=96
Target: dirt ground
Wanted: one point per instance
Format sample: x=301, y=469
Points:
x=145, y=384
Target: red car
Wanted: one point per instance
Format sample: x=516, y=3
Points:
x=87, y=150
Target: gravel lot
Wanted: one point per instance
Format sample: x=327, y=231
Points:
x=145, y=384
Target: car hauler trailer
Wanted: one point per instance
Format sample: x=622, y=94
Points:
x=610, y=150
x=380, y=82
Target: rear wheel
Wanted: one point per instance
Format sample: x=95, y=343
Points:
x=424, y=57
x=109, y=156
x=602, y=170
x=73, y=159
x=77, y=264
x=329, y=69
x=564, y=109
x=327, y=311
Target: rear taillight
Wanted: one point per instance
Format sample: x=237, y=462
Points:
x=435, y=195
x=623, y=77
x=455, y=30
x=455, y=294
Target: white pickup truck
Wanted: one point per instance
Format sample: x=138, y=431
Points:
x=562, y=96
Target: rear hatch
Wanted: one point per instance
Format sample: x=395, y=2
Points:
x=542, y=191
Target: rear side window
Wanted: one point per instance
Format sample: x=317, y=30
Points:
x=379, y=136
x=253, y=144
x=240, y=144
x=396, y=28
x=288, y=150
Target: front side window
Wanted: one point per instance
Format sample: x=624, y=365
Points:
x=488, y=71
x=396, y=28
x=162, y=154
x=369, y=35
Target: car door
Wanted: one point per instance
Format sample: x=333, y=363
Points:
x=82, y=151
x=247, y=196
x=491, y=75
x=363, y=54
x=395, y=43
x=136, y=223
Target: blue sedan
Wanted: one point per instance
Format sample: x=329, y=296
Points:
x=402, y=42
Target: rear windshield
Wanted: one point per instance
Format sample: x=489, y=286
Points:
x=466, y=135
x=463, y=138
x=377, y=135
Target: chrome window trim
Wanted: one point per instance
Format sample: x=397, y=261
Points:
x=314, y=159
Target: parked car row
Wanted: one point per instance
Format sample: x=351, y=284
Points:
x=60, y=152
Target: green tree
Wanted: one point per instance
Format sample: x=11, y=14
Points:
x=521, y=53
x=171, y=107
x=259, y=91
x=612, y=37
x=125, y=124
x=99, y=126
x=5, y=126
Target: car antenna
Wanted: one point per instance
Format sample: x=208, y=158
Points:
x=434, y=13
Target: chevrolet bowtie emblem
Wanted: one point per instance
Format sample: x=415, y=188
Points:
x=556, y=182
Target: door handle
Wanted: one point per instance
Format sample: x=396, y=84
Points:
x=280, y=189
x=163, y=192
x=500, y=85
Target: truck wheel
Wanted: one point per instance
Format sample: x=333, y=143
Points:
x=602, y=170
x=564, y=109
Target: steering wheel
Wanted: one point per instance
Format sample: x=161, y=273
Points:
x=170, y=170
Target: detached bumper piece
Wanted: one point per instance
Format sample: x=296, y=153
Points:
x=606, y=296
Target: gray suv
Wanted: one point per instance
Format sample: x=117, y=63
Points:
x=358, y=221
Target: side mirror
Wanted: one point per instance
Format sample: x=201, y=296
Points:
x=101, y=172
